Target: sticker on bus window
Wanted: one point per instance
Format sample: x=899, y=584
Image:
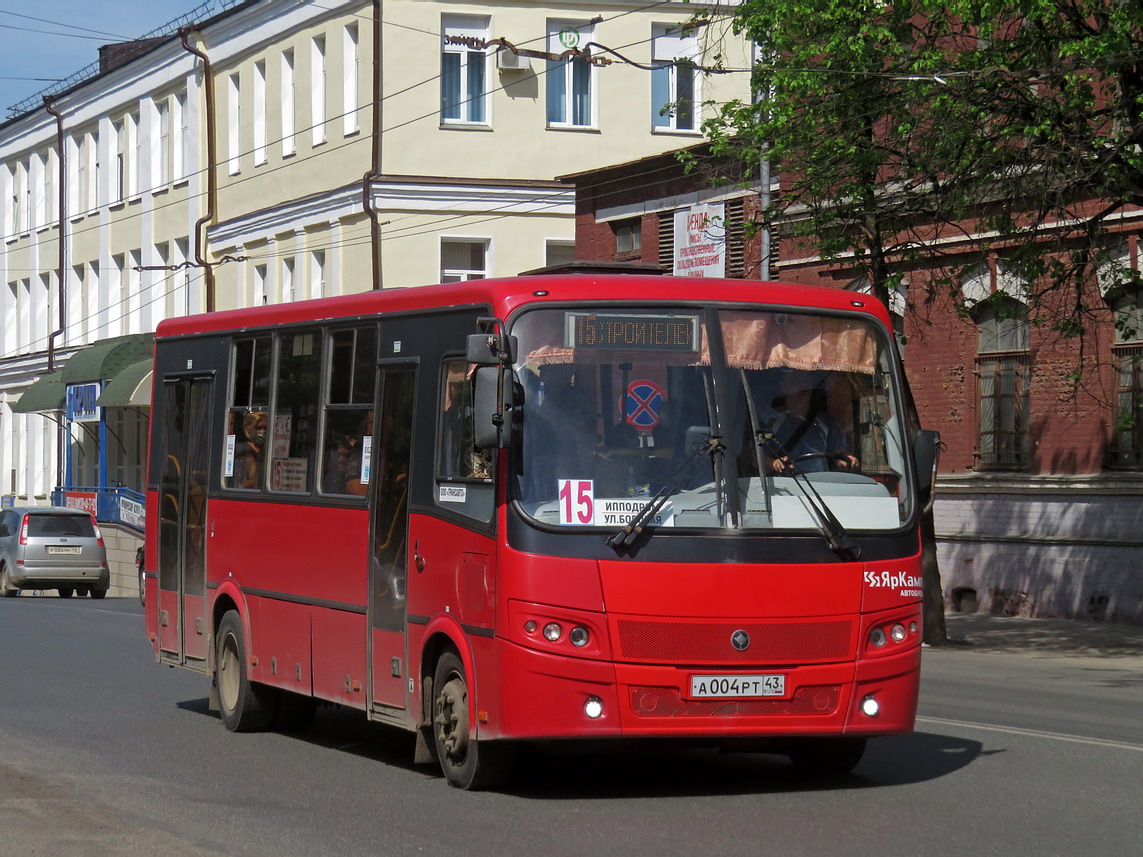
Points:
x=453, y=494
x=577, y=501
x=229, y=473
x=619, y=512
x=366, y=458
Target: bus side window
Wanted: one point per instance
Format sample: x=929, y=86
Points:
x=244, y=450
x=348, y=412
x=464, y=473
x=293, y=443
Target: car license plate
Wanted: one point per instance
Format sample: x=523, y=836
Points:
x=71, y=550
x=705, y=686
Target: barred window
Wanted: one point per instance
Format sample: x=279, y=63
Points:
x=1003, y=372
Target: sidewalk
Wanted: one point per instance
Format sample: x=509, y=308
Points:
x=981, y=632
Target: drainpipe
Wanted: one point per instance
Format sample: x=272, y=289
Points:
x=49, y=105
x=211, y=180
x=61, y=299
x=375, y=164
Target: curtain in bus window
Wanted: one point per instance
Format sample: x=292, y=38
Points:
x=795, y=341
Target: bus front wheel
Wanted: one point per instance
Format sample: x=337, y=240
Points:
x=244, y=705
x=465, y=762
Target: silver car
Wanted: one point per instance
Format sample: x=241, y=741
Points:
x=52, y=547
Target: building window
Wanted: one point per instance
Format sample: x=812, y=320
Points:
x=464, y=70
x=317, y=90
x=287, y=103
x=557, y=252
x=1003, y=376
x=628, y=237
x=570, y=82
x=674, y=79
x=119, y=176
x=463, y=260
x=349, y=79
x=259, y=113
x=161, y=153
x=180, y=149
x=234, y=118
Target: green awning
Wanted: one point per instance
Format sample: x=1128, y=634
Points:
x=46, y=394
x=131, y=388
x=108, y=357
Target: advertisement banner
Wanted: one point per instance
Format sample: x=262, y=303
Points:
x=700, y=241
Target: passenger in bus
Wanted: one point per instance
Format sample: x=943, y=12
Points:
x=248, y=455
x=800, y=421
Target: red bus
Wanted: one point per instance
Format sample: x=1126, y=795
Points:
x=588, y=506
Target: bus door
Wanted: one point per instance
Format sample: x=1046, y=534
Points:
x=389, y=530
x=182, y=520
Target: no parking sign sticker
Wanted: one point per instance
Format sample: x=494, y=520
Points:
x=644, y=404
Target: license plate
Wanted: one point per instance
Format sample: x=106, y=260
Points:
x=705, y=686
x=71, y=550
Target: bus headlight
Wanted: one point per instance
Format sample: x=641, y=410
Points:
x=870, y=707
x=579, y=636
x=593, y=708
x=877, y=638
x=553, y=631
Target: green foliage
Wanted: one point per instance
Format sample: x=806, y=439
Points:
x=890, y=123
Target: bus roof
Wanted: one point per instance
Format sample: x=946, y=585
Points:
x=503, y=296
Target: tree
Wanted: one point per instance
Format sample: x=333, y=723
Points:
x=1013, y=125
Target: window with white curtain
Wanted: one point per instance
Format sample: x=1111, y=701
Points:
x=464, y=69
x=674, y=78
x=570, y=82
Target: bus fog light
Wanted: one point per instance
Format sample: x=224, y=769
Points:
x=870, y=707
x=553, y=631
x=593, y=708
x=579, y=636
x=897, y=632
x=877, y=638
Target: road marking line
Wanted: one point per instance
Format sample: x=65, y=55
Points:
x=1034, y=733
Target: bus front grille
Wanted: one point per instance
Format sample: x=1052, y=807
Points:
x=682, y=642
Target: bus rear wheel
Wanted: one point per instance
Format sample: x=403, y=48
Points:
x=245, y=706
x=465, y=762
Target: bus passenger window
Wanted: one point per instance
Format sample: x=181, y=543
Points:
x=248, y=423
x=464, y=473
x=348, y=412
x=293, y=441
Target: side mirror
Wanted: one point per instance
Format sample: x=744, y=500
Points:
x=926, y=458
x=490, y=349
x=493, y=400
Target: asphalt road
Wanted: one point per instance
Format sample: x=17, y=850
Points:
x=1020, y=750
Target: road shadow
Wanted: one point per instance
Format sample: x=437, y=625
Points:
x=662, y=769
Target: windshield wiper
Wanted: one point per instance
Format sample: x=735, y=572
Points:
x=712, y=446
x=833, y=530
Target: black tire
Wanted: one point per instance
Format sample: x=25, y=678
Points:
x=827, y=757
x=98, y=594
x=6, y=589
x=244, y=706
x=465, y=762
x=66, y=592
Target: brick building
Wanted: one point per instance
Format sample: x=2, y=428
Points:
x=1039, y=508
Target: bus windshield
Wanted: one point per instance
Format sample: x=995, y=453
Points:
x=709, y=418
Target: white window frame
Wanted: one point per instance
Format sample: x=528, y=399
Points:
x=161, y=145
x=670, y=43
x=350, y=81
x=289, y=97
x=567, y=72
x=234, y=119
x=260, y=113
x=461, y=274
x=471, y=108
x=180, y=148
x=317, y=90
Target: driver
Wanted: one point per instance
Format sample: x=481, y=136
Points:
x=804, y=427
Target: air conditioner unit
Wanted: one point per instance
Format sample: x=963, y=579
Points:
x=508, y=61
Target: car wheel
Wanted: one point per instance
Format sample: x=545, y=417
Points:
x=66, y=592
x=6, y=589
x=98, y=593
